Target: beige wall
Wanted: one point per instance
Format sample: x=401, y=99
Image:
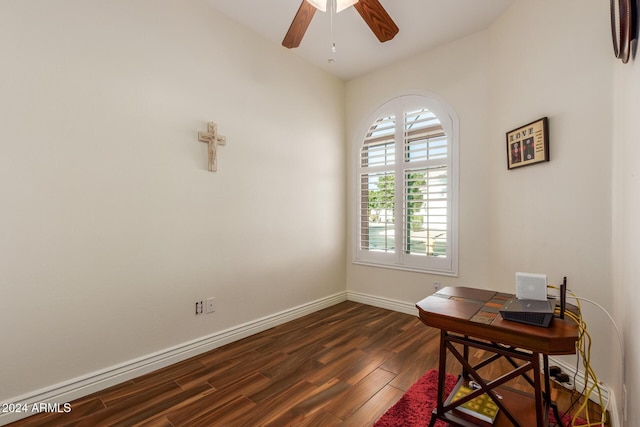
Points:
x=626, y=224
x=497, y=80
x=557, y=218
x=111, y=227
x=552, y=218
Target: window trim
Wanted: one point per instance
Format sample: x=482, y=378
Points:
x=450, y=123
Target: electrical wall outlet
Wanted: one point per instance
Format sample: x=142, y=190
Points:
x=211, y=305
x=199, y=307
x=559, y=377
x=436, y=286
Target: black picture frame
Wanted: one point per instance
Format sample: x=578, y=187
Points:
x=528, y=144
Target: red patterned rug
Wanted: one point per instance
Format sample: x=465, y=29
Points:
x=415, y=406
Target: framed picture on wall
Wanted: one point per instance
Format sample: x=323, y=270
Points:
x=528, y=144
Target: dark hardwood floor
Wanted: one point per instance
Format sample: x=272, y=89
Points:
x=345, y=365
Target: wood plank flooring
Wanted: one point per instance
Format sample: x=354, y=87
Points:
x=345, y=365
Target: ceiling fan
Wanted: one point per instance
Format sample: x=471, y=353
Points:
x=371, y=11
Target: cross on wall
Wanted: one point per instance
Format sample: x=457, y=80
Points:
x=213, y=139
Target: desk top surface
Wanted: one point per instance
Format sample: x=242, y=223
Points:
x=476, y=312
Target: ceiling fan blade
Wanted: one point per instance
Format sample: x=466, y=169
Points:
x=299, y=25
x=377, y=19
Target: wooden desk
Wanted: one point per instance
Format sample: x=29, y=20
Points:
x=470, y=317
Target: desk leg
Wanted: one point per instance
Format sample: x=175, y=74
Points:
x=465, y=353
x=438, y=412
x=547, y=390
x=540, y=394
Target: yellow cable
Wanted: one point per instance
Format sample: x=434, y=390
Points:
x=583, y=346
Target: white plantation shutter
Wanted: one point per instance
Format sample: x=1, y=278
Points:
x=425, y=202
x=377, y=184
x=379, y=145
x=424, y=136
x=407, y=201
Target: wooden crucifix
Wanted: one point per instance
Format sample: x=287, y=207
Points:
x=213, y=139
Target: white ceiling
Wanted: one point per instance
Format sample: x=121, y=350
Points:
x=423, y=25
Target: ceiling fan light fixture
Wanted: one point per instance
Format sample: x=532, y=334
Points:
x=319, y=4
x=371, y=11
x=343, y=4
x=340, y=4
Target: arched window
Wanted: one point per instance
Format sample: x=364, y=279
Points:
x=407, y=185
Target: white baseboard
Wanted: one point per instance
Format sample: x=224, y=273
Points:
x=389, y=304
x=87, y=384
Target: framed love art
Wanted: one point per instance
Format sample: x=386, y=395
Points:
x=528, y=144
